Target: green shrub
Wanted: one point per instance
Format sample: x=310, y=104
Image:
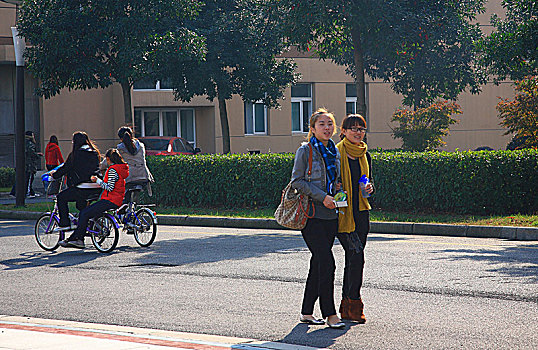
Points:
x=7, y=177
x=484, y=182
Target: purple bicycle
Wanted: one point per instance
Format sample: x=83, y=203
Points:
x=103, y=230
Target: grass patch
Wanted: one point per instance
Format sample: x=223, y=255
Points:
x=375, y=215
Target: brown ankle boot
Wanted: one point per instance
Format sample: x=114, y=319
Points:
x=356, y=311
x=344, y=309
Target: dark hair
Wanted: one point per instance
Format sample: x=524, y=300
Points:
x=125, y=133
x=314, y=118
x=115, y=156
x=350, y=121
x=80, y=138
x=29, y=133
x=53, y=139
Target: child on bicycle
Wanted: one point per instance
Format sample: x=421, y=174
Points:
x=113, y=186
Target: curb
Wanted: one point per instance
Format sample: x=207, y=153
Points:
x=134, y=335
x=502, y=232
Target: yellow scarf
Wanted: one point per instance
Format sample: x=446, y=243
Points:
x=346, y=147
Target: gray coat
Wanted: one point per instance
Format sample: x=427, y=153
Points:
x=316, y=188
x=138, y=170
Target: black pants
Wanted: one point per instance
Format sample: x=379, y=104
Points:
x=73, y=194
x=130, y=195
x=92, y=211
x=319, y=237
x=28, y=179
x=353, y=244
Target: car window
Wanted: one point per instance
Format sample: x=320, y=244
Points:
x=155, y=144
x=178, y=146
x=189, y=147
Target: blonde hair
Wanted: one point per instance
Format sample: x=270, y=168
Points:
x=314, y=118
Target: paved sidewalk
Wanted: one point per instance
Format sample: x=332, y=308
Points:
x=18, y=333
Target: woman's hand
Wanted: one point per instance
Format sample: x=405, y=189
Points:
x=93, y=178
x=369, y=188
x=328, y=202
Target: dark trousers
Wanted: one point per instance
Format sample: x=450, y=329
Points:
x=28, y=179
x=50, y=167
x=319, y=237
x=92, y=211
x=353, y=244
x=129, y=195
x=73, y=194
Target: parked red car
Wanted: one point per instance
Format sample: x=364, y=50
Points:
x=167, y=146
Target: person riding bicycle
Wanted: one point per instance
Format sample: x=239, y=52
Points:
x=113, y=186
x=134, y=154
x=81, y=164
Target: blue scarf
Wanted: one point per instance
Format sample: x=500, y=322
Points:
x=329, y=157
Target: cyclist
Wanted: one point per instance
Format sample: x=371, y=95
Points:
x=134, y=154
x=113, y=192
x=81, y=164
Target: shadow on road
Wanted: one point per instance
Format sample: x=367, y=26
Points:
x=50, y=259
x=520, y=261
x=12, y=228
x=321, y=337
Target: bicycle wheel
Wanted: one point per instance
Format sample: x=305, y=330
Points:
x=145, y=227
x=45, y=235
x=104, y=233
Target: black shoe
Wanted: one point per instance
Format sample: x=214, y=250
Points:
x=76, y=244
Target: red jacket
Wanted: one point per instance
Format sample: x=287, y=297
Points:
x=53, y=155
x=118, y=193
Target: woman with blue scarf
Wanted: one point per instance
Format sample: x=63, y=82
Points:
x=321, y=229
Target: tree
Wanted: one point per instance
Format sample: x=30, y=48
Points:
x=520, y=116
x=423, y=46
x=511, y=50
x=242, y=40
x=424, y=128
x=84, y=44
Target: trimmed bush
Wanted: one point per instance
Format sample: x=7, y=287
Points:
x=7, y=177
x=485, y=182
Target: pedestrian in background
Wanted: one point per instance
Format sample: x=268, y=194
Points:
x=354, y=220
x=31, y=159
x=321, y=229
x=53, y=155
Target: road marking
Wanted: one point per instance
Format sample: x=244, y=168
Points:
x=470, y=245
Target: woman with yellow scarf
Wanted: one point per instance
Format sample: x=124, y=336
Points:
x=354, y=220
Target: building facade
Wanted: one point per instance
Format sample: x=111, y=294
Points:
x=253, y=127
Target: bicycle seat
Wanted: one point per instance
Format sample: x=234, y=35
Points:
x=136, y=188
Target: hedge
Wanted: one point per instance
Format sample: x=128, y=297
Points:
x=484, y=182
x=7, y=177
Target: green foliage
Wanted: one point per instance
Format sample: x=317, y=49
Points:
x=520, y=116
x=511, y=50
x=243, y=38
x=484, y=182
x=7, y=177
x=80, y=44
x=424, y=47
x=228, y=181
x=425, y=128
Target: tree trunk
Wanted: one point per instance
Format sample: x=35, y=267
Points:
x=127, y=111
x=418, y=94
x=358, y=59
x=224, y=125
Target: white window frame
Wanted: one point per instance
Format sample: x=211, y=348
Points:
x=253, y=105
x=354, y=100
x=161, y=111
x=301, y=101
x=156, y=88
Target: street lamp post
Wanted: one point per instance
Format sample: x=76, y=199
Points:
x=20, y=173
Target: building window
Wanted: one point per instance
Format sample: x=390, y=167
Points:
x=255, y=118
x=166, y=122
x=351, y=99
x=151, y=84
x=301, y=107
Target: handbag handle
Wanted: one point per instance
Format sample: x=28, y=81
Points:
x=309, y=173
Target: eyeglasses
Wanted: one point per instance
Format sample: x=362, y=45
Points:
x=355, y=129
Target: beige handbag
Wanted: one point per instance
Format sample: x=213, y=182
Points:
x=292, y=211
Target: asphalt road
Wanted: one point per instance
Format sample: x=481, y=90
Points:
x=421, y=292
